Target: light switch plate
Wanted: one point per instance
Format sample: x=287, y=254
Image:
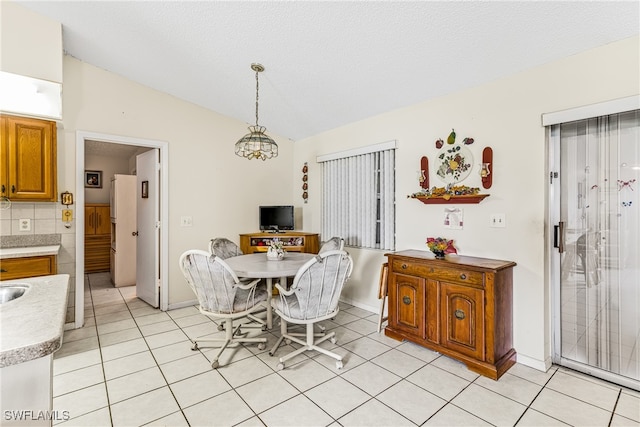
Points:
x=186, y=221
x=497, y=220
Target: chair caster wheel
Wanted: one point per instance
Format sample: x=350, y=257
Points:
x=264, y=328
x=339, y=365
x=194, y=347
x=333, y=340
x=262, y=346
x=287, y=342
x=280, y=366
x=221, y=327
x=271, y=353
x=215, y=364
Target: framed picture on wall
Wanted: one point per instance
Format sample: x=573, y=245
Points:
x=92, y=179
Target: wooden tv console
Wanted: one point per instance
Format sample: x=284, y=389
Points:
x=460, y=306
x=294, y=241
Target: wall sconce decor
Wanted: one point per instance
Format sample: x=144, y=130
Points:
x=486, y=167
x=424, y=172
x=66, y=198
x=305, y=186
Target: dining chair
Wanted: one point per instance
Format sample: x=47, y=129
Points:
x=333, y=244
x=221, y=295
x=224, y=248
x=313, y=297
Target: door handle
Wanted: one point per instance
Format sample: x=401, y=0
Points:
x=558, y=236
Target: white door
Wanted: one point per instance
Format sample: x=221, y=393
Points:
x=148, y=217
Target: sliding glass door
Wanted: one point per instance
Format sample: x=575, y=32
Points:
x=597, y=201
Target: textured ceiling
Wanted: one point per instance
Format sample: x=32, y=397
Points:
x=121, y=151
x=328, y=63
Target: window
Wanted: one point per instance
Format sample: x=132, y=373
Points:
x=358, y=200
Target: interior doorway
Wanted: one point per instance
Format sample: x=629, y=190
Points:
x=110, y=142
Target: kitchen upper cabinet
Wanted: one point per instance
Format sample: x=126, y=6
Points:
x=28, y=159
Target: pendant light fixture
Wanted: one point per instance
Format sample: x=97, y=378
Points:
x=256, y=144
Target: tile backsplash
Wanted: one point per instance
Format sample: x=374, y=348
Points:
x=46, y=228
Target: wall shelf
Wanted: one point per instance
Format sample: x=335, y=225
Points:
x=440, y=200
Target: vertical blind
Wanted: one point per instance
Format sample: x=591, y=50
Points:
x=359, y=198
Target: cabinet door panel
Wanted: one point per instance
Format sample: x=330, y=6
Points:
x=31, y=159
x=103, y=220
x=408, y=300
x=463, y=319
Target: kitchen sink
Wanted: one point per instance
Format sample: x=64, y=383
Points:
x=11, y=292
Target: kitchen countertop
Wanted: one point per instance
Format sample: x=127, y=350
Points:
x=32, y=325
x=27, y=251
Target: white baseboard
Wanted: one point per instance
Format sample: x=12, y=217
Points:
x=182, y=304
x=373, y=310
x=540, y=365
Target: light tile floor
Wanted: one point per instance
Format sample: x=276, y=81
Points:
x=133, y=365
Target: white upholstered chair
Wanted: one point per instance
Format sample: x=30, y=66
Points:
x=224, y=248
x=333, y=244
x=222, y=296
x=313, y=297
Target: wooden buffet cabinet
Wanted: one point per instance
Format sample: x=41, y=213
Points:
x=460, y=306
x=294, y=241
x=97, y=237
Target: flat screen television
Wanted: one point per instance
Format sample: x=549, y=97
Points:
x=276, y=218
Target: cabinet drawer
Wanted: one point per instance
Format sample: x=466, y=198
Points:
x=455, y=275
x=438, y=273
x=19, y=268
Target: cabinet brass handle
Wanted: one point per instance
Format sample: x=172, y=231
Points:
x=134, y=233
x=463, y=276
x=404, y=266
x=2, y=270
x=459, y=314
x=13, y=188
x=406, y=300
x=3, y=188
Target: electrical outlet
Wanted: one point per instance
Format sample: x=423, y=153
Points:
x=25, y=224
x=497, y=220
x=186, y=221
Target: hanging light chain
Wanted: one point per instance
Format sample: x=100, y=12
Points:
x=257, y=92
x=258, y=68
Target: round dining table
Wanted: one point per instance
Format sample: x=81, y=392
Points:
x=257, y=266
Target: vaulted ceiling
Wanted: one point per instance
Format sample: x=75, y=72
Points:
x=328, y=63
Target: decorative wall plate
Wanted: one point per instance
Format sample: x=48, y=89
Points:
x=455, y=164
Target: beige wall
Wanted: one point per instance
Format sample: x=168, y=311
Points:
x=207, y=181
x=505, y=115
x=109, y=166
x=38, y=52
